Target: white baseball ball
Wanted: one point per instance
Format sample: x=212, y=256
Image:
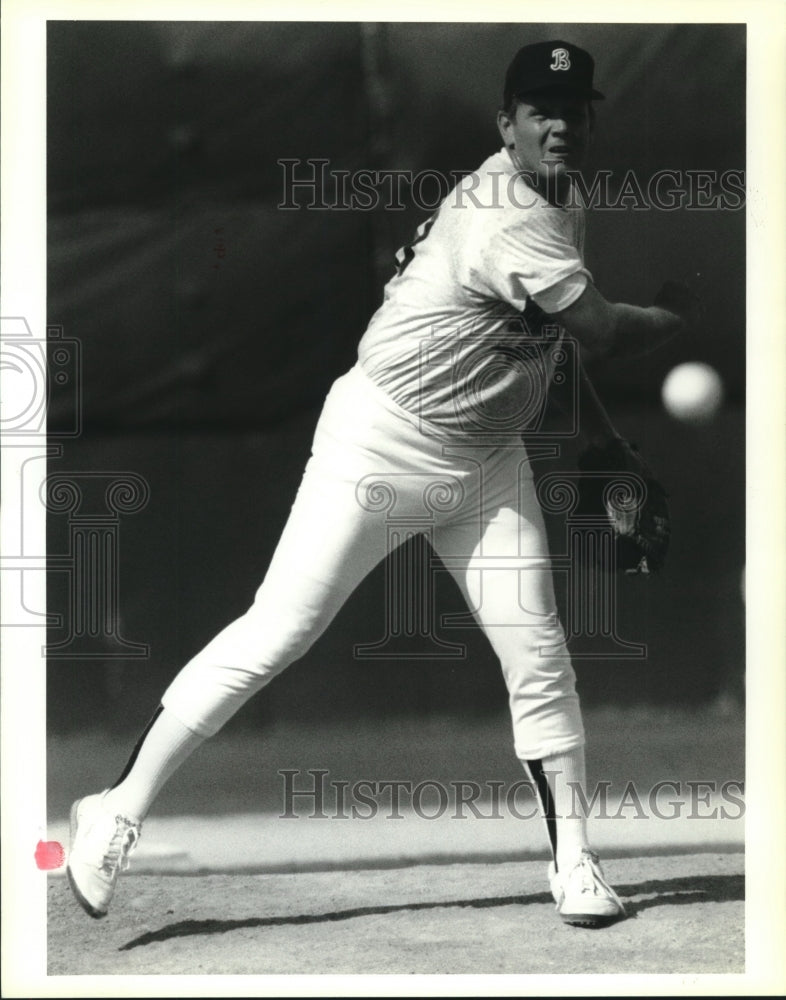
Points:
x=692, y=392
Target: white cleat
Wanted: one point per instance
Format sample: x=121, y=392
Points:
x=100, y=845
x=583, y=896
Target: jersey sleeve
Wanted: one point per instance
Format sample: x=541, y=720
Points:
x=534, y=256
x=564, y=293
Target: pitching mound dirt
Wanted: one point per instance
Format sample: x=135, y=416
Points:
x=685, y=916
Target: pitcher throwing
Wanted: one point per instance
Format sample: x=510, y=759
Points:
x=460, y=352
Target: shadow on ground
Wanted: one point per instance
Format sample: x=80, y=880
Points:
x=663, y=892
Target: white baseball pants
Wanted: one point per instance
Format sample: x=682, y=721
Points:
x=372, y=466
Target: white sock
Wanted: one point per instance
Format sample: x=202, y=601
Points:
x=555, y=778
x=160, y=752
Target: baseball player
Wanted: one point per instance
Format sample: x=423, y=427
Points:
x=431, y=413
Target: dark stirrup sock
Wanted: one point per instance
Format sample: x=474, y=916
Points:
x=135, y=752
x=556, y=779
x=163, y=747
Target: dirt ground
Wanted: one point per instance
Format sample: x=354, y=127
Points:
x=686, y=915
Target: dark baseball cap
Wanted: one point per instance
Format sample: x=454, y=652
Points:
x=544, y=66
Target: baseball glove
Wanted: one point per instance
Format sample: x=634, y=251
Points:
x=616, y=482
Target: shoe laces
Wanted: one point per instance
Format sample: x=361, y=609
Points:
x=592, y=878
x=123, y=842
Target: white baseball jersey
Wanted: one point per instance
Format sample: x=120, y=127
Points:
x=447, y=342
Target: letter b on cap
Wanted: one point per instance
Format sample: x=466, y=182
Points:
x=561, y=59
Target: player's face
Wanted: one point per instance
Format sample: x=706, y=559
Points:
x=548, y=134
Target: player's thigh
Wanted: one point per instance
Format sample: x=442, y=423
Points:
x=329, y=544
x=510, y=582
x=497, y=547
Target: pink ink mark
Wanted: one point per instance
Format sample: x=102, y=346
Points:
x=49, y=854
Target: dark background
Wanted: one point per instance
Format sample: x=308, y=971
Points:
x=204, y=374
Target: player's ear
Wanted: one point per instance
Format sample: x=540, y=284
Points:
x=505, y=126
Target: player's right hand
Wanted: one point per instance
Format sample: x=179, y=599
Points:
x=678, y=298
